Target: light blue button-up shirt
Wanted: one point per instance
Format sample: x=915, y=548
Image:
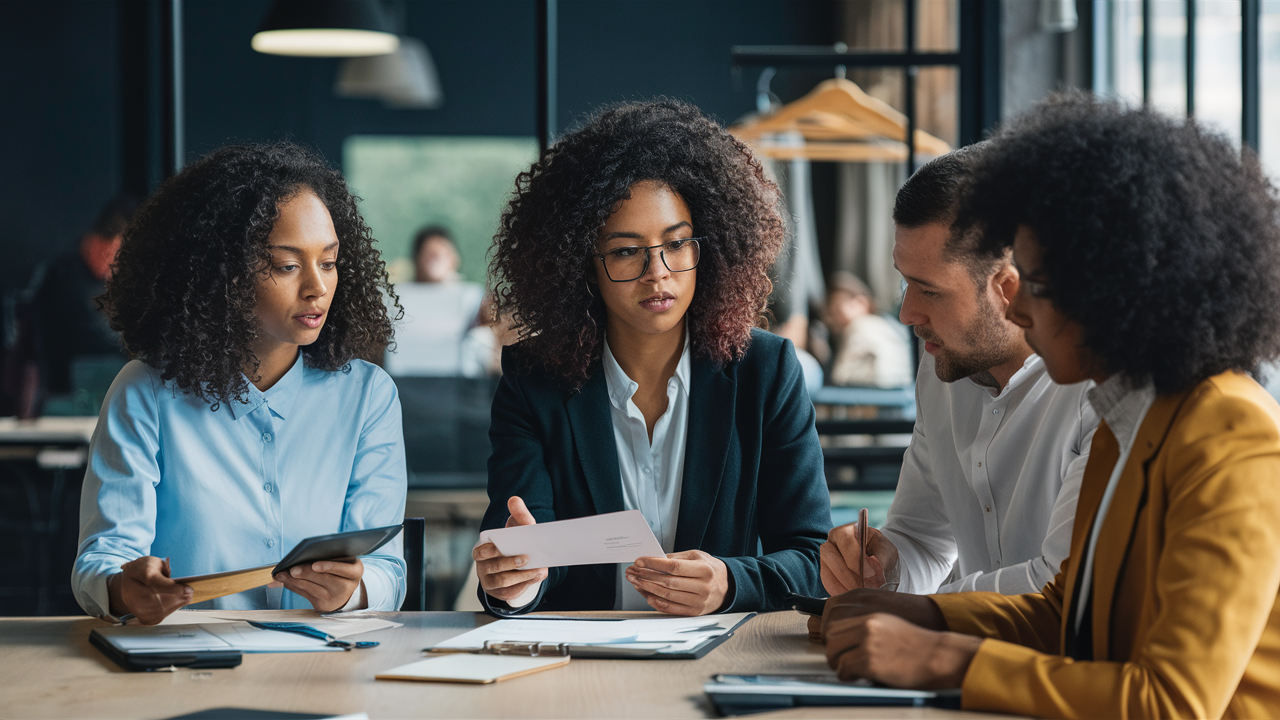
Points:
x=319, y=452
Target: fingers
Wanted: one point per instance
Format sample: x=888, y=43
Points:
x=837, y=576
x=148, y=593
x=350, y=568
x=671, y=607
x=662, y=583
x=497, y=581
x=815, y=629
x=511, y=592
x=684, y=564
x=844, y=636
x=520, y=514
x=845, y=539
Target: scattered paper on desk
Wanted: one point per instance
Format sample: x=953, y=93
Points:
x=338, y=625
x=472, y=668
x=668, y=634
x=619, y=537
x=235, y=635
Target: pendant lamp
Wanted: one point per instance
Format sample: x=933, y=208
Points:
x=326, y=28
x=406, y=78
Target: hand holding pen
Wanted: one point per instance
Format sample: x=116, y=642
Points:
x=858, y=556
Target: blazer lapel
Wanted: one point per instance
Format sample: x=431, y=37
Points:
x=1103, y=454
x=1117, y=528
x=712, y=395
x=593, y=439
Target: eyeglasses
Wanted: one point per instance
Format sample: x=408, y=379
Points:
x=629, y=263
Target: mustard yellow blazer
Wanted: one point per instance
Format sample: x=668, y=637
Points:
x=1186, y=577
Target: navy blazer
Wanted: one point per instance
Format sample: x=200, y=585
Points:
x=754, y=493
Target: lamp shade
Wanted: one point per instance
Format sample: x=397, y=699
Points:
x=326, y=28
x=406, y=78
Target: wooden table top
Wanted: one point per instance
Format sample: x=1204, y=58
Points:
x=48, y=669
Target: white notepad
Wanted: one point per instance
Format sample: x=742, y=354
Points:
x=472, y=668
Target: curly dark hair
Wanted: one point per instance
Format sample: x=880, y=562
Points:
x=1159, y=237
x=544, y=251
x=182, y=292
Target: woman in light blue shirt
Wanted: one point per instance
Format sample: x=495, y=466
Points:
x=246, y=290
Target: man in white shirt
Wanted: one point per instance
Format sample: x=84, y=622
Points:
x=988, y=487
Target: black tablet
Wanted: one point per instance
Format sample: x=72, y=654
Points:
x=337, y=545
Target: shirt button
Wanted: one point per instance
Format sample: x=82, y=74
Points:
x=266, y=437
x=988, y=508
x=271, y=543
x=646, y=471
x=266, y=486
x=995, y=411
x=979, y=464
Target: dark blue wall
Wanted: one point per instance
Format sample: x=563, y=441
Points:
x=73, y=130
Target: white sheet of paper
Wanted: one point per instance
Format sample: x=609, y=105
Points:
x=659, y=632
x=619, y=537
x=339, y=625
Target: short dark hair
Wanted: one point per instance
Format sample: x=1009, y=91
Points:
x=1159, y=236
x=931, y=195
x=432, y=231
x=182, y=292
x=544, y=251
x=114, y=217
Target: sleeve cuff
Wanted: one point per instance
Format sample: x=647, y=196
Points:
x=359, y=599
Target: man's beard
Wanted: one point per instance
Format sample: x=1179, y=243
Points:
x=990, y=338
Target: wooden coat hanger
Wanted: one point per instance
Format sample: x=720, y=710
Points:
x=839, y=122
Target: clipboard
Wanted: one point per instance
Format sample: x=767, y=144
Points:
x=622, y=650
x=320, y=547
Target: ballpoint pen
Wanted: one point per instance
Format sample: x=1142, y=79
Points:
x=863, y=521
x=304, y=629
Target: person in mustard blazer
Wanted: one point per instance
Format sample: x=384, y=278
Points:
x=1149, y=256
x=634, y=259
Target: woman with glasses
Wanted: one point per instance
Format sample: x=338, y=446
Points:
x=634, y=259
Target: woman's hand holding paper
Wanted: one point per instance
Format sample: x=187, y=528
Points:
x=684, y=583
x=327, y=584
x=500, y=575
x=143, y=588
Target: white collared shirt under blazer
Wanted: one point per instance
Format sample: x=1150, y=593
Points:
x=989, y=482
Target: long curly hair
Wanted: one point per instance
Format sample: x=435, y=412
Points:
x=543, y=253
x=183, y=293
x=1159, y=237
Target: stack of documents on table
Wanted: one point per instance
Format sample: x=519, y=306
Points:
x=665, y=637
x=206, y=630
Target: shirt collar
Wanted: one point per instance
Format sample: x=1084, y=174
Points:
x=1029, y=369
x=1123, y=405
x=621, y=387
x=279, y=397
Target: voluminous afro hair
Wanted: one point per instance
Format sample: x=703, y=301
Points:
x=544, y=251
x=182, y=292
x=1159, y=238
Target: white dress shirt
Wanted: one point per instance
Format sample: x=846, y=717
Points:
x=652, y=471
x=989, y=482
x=1124, y=407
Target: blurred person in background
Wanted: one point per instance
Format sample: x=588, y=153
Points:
x=68, y=325
x=445, y=329
x=866, y=348
x=435, y=256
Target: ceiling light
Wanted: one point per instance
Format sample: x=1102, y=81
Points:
x=326, y=28
x=406, y=78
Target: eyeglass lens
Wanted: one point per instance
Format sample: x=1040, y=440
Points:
x=630, y=263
